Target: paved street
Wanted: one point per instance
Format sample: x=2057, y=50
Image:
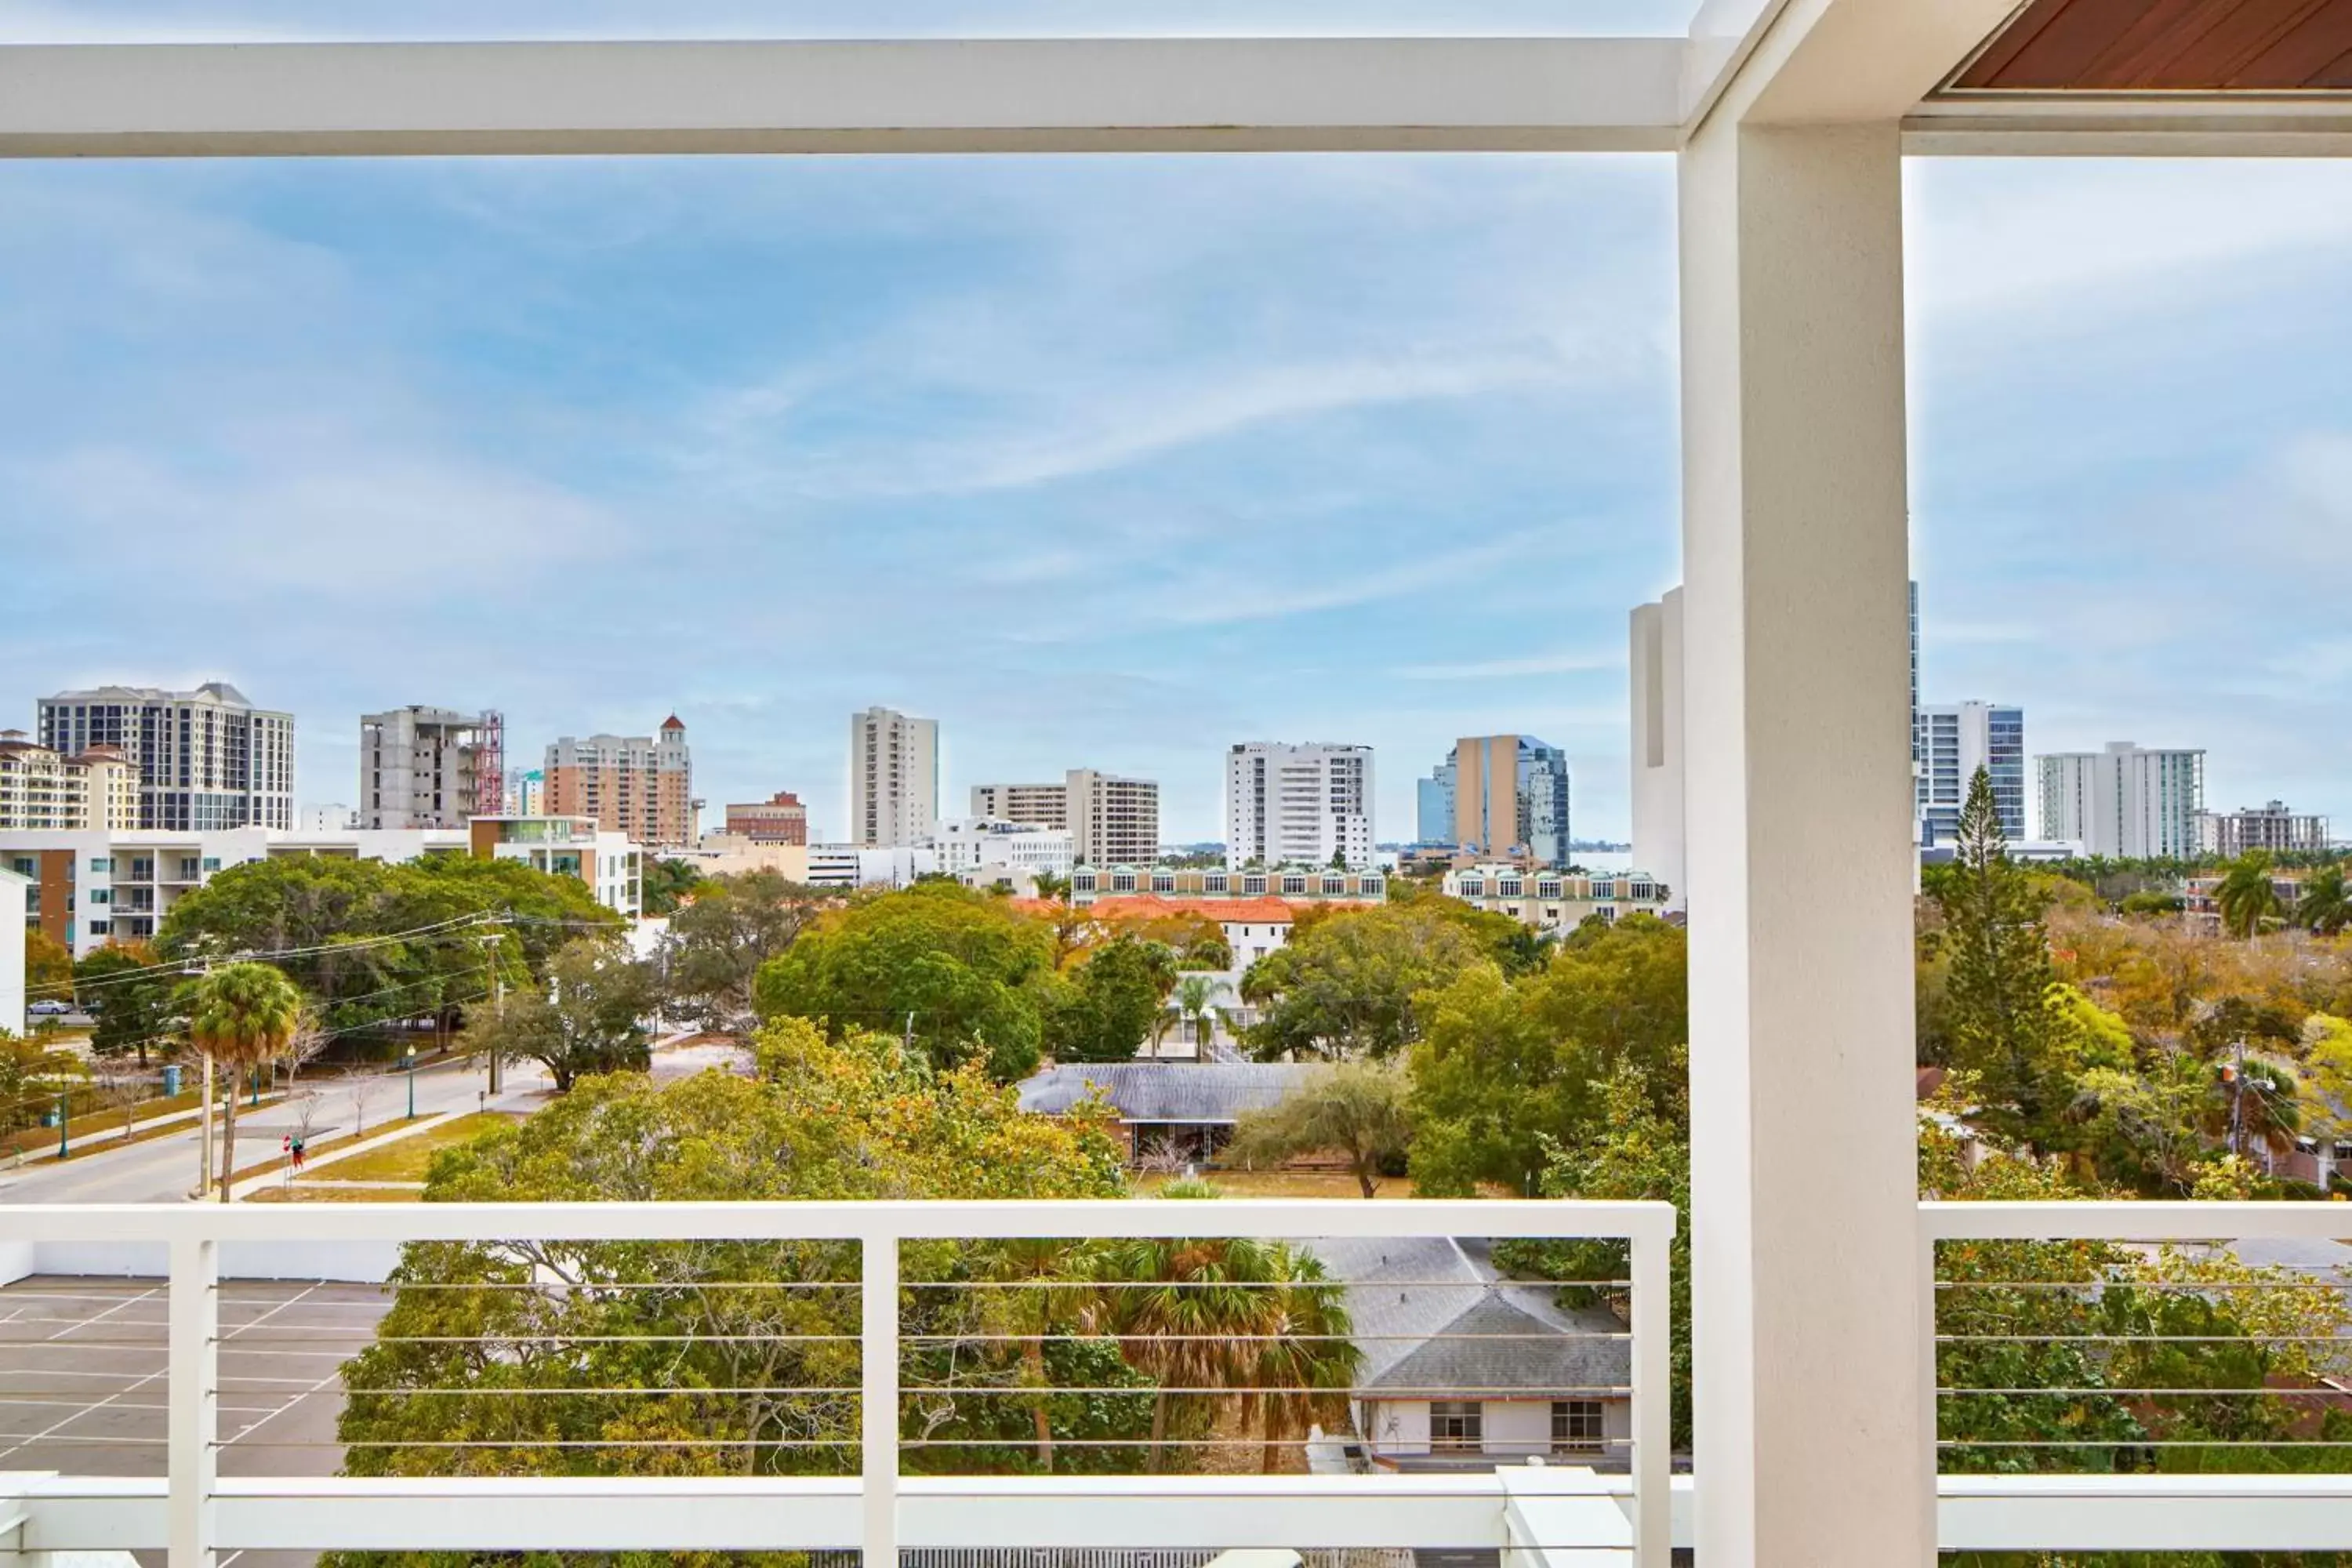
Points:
x=164, y=1170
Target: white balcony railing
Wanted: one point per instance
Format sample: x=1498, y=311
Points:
x=199, y=1254
x=2117, y=1498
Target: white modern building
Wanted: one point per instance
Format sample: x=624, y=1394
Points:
x=971, y=846
x=1787, y=125
x=894, y=778
x=1656, y=663
x=2126, y=802
x=1306, y=805
x=431, y=767
x=205, y=760
x=40, y=787
x=612, y=864
x=1950, y=741
x=848, y=865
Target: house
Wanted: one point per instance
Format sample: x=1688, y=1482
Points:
x=1463, y=1370
x=1190, y=1109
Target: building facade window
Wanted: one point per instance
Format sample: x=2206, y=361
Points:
x=1578, y=1427
x=1457, y=1427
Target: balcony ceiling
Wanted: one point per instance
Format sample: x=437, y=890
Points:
x=2168, y=46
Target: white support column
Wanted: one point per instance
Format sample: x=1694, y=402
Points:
x=878, y=1403
x=1809, y=1425
x=1653, y=1400
x=193, y=1380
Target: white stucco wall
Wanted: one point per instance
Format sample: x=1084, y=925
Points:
x=11, y=952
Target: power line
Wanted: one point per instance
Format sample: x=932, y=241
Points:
x=456, y=926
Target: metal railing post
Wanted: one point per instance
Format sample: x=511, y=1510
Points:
x=879, y=1401
x=193, y=1380
x=1654, y=1396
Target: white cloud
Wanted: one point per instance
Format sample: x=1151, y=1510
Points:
x=1565, y=663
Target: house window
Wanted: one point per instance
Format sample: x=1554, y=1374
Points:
x=1334, y=886
x=1295, y=885
x=1163, y=882
x=1122, y=881
x=102, y=864
x=1576, y=1426
x=1457, y=1427
x=1214, y=882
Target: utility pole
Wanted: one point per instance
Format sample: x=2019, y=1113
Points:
x=498, y=996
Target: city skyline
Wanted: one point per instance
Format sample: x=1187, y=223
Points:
x=991, y=414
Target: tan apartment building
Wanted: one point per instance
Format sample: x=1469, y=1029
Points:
x=640, y=787
x=779, y=819
x=1036, y=804
x=42, y=787
x=1112, y=820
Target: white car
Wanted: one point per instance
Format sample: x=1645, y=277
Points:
x=52, y=1009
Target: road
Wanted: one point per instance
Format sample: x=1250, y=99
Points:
x=164, y=1170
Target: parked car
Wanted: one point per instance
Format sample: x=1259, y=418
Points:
x=49, y=1009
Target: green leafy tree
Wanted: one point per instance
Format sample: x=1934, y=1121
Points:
x=32, y=1078
x=1504, y=1065
x=1359, y=1109
x=240, y=1016
x=129, y=991
x=959, y=975
x=2246, y=896
x=717, y=943
x=1052, y=888
x=1344, y=984
x=1111, y=1002
x=663, y=883
x=1195, y=1003
x=1998, y=1019
x=590, y=1019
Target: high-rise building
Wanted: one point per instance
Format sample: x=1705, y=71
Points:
x=1298, y=804
x=430, y=767
x=1949, y=742
x=639, y=785
x=779, y=819
x=1499, y=795
x=1114, y=821
x=205, y=760
x=1038, y=804
x=526, y=792
x=2126, y=802
x=42, y=788
x=894, y=778
x=2272, y=827
x=1656, y=664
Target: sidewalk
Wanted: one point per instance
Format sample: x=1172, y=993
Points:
x=276, y=1176
x=112, y=1137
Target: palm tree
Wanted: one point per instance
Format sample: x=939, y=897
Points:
x=1307, y=1363
x=1194, y=996
x=1052, y=888
x=1185, y=1313
x=2325, y=906
x=241, y=1016
x=2245, y=896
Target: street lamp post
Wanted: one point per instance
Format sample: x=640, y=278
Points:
x=411, y=1059
x=65, y=1114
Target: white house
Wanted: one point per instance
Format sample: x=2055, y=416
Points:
x=1463, y=1369
x=13, y=890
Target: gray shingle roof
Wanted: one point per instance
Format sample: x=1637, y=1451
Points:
x=1196, y=1093
x=1431, y=1318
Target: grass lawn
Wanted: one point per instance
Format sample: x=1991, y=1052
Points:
x=406, y=1160
x=1282, y=1185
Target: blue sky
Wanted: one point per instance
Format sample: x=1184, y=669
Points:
x=1111, y=462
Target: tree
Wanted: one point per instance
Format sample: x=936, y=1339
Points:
x=362, y=1085
x=1505, y=1065
x=1998, y=1019
x=32, y=1078
x=748, y=1338
x=1356, y=1109
x=240, y=1016
x=1344, y=984
x=1051, y=889
x=2246, y=896
x=49, y=966
x=2325, y=906
x=129, y=991
x=663, y=884
x=961, y=975
x=717, y=943
x=1195, y=1000
x=1111, y=1002
x=592, y=1018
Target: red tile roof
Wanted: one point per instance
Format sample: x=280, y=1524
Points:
x=1262, y=910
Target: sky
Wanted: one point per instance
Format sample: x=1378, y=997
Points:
x=1112, y=462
